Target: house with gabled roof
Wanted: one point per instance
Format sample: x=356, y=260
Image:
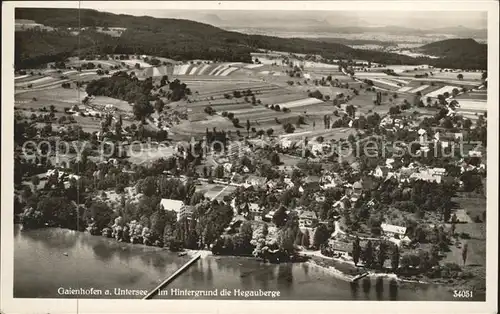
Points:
x=177, y=206
x=308, y=219
x=393, y=231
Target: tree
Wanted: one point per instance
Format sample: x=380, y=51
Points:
x=219, y=172
x=356, y=251
x=280, y=217
x=100, y=214
x=35, y=180
x=395, y=258
x=460, y=76
x=269, y=132
x=368, y=254
x=289, y=128
x=274, y=158
x=381, y=254
x=159, y=105
x=464, y=252
x=321, y=236
x=248, y=127
x=298, y=238
x=350, y=110
x=142, y=108
x=305, y=239
x=453, y=223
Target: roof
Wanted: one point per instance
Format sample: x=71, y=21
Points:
x=253, y=207
x=357, y=185
x=393, y=228
x=341, y=246
x=170, y=204
x=308, y=215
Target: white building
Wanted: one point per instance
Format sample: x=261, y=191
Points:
x=393, y=230
x=175, y=205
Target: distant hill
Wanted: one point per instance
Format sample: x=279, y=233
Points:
x=171, y=38
x=466, y=51
x=454, y=47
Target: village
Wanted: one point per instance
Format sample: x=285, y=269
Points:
x=345, y=197
x=360, y=167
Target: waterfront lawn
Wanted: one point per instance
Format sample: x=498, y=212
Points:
x=473, y=206
x=343, y=267
x=476, y=255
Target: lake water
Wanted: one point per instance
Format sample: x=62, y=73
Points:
x=46, y=260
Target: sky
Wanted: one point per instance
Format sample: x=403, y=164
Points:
x=409, y=19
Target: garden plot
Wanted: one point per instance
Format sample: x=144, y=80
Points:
x=35, y=81
x=419, y=89
x=102, y=62
x=69, y=72
x=370, y=74
x=87, y=73
x=405, y=89
x=280, y=97
x=469, y=104
x=441, y=91
x=269, y=115
x=253, y=66
x=312, y=64
x=398, y=81
x=156, y=72
x=216, y=69
x=385, y=82
x=235, y=108
x=249, y=110
x=21, y=76
x=228, y=71
x=203, y=69
x=475, y=95
x=475, y=76
x=59, y=97
x=112, y=102
x=192, y=70
x=300, y=103
x=268, y=61
x=221, y=69
x=181, y=69
x=132, y=62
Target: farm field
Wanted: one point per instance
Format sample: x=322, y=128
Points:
x=469, y=104
x=132, y=62
x=104, y=63
x=137, y=155
x=440, y=91
x=59, y=97
x=473, y=95
x=104, y=101
x=212, y=190
x=365, y=102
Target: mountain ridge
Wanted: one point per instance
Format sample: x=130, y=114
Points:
x=178, y=39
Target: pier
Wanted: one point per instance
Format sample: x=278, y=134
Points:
x=360, y=276
x=173, y=276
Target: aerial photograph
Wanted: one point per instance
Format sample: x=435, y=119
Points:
x=250, y=155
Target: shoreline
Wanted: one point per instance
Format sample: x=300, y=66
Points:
x=314, y=259
x=346, y=277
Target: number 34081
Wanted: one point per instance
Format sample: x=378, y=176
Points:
x=462, y=293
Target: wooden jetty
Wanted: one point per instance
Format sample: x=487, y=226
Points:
x=357, y=277
x=173, y=276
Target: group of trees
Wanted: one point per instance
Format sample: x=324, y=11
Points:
x=136, y=222
x=127, y=87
